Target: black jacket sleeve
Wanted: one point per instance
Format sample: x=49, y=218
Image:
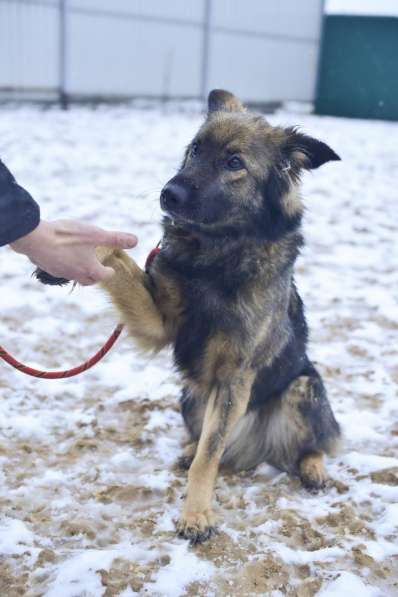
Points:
x=19, y=213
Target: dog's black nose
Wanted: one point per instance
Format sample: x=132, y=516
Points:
x=173, y=196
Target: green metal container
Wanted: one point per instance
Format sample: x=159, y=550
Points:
x=358, y=71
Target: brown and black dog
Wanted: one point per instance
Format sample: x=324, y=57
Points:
x=222, y=293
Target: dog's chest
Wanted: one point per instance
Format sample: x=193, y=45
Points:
x=212, y=312
x=211, y=300
x=207, y=312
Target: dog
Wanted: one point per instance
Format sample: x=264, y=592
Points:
x=221, y=291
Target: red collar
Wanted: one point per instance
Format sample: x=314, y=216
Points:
x=151, y=256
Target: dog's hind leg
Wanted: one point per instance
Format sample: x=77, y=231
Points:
x=300, y=428
x=292, y=432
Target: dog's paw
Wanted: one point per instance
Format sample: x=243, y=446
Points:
x=313, y=485
x=313, y=474
x=105, y=254
x=197, y=527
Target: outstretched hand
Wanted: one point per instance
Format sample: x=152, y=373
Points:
x=66, y=249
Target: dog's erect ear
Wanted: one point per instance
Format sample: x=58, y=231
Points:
x=224, y=101
x=308, y=152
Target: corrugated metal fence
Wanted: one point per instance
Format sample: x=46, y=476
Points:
x=74, y=50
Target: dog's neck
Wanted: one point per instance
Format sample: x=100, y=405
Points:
x=195, y=254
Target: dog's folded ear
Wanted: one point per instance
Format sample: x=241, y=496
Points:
x=223, y=101
x=307, y=152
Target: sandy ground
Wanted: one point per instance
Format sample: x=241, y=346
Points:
x=89, y=489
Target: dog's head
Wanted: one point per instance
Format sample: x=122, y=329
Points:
x=240, y=174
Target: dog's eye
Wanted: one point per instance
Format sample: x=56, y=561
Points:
x=194, y=149
x=235, y=163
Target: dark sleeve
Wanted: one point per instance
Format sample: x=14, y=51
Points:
x=19, y=213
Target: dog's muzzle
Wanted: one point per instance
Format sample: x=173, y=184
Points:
x=174, y=198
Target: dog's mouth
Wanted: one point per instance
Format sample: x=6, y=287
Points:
x=176, y=217
x=179, y=221
x=183, y=221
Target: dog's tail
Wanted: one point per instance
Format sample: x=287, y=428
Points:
x=46, y=278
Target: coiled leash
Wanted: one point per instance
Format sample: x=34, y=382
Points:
x=6, y=356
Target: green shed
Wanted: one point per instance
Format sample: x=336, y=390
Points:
x=358, y=67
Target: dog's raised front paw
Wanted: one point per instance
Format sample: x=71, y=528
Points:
x=197, y=527
x=105, y=253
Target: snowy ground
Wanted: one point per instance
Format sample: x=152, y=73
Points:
x=89, y=491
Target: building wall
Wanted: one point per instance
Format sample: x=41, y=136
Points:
x=264, y=51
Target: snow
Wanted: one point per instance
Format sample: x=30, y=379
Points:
x=184, y=568
x=369, y=462
x=89, y=490
x=349, y=584
x=15, y=537
x=381, y=548
x=305, y=557
x=79, y=575
x=385, y=8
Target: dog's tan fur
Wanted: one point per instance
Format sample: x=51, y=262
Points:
x=131, y=297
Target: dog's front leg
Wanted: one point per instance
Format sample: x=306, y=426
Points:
x=227, y=403
x=129, y=291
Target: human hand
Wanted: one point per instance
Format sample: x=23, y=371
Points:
x=66, y=249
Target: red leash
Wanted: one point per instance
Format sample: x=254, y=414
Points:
x=84, y=366
x=67, y=372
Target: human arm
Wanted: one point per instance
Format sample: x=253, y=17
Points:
x=62, y=248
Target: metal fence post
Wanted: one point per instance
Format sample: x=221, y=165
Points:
x=320, y=49
x=62, y=49
x=205, y=50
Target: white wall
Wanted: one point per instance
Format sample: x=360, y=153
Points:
x=261, y=49
x=266, y=50
x=131, y=57
x=28, y=45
